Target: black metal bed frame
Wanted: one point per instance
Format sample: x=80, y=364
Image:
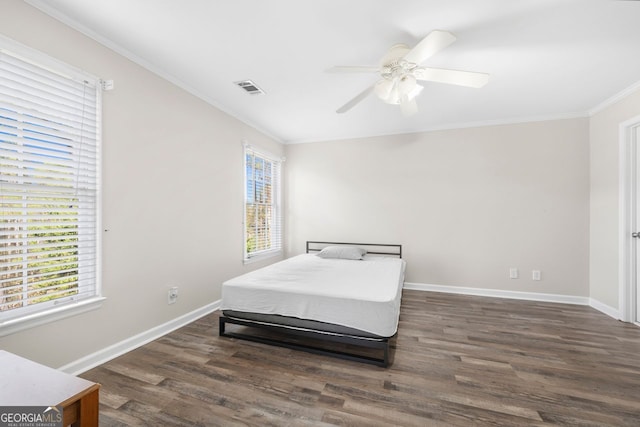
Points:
x=382, y=344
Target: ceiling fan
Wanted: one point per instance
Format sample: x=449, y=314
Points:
x=400, y=70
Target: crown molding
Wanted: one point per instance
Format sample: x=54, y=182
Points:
x=455, y=126
x=615, y=98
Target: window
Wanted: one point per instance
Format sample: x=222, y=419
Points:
x=262, y=218
x=49, y=187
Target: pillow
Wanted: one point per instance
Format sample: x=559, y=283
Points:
x=342, y=252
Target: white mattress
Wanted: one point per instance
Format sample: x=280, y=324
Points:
x=364, y=295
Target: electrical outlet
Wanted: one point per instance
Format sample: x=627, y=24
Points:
x=172, y=296
x=535, y=274
x=513, y=273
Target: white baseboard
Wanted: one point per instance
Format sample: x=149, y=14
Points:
x=604, y=308
x=102, y=356
x=499, y=293
x=531, y=296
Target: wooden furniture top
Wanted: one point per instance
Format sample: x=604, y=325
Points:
x=27, y=383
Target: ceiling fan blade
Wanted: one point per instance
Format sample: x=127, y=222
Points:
x=434, y=42
x=453, y=77
x=352, y=69
x=349, y=105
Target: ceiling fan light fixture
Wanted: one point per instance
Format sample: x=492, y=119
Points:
x=393, y=90
x=406, y=84
x=387, y=90
x=394, y=95
x=383, y=88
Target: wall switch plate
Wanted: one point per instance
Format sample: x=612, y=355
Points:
x=513, y=273
x=535, y=274
x=172, y=296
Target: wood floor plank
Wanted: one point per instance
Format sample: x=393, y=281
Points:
x=458, y=361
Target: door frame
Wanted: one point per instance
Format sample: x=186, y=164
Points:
x=629, y=168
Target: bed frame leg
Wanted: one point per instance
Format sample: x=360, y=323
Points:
x=221, y=326
x=385, y=362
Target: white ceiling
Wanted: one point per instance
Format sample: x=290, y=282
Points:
x=547, y=58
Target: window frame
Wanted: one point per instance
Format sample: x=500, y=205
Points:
x=33, y=315
x=276, y=205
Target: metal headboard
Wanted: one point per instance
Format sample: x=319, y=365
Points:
x=372, y=248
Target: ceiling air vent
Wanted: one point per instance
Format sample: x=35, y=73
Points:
x=250, y=87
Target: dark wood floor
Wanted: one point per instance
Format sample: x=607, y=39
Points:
x=459, y=361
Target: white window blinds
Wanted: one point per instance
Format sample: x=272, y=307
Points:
x=49, y=187
x=263, y=230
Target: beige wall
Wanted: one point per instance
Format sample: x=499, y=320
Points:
x=466, y=204
x=605, y=172
x=172, y=196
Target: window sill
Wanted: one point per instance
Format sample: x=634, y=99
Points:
x=32, y=320
x=263, y=256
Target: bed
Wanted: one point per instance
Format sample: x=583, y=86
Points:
x=331, y=300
